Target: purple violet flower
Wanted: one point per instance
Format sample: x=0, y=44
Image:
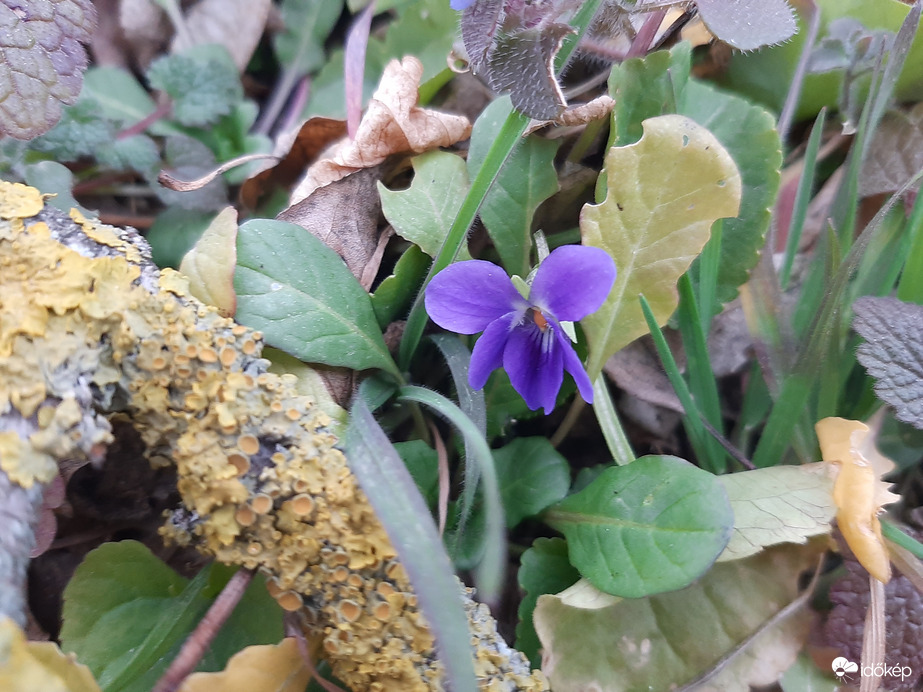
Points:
x=459, y=5
x=524, y=335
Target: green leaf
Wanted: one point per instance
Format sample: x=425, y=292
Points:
x=424, y=212
x=780, y=504
x=425, y=29
x=526, y=180
x=174, y=232
x=135, y=153
x=395, y=292
x=307, y=23
x=544, y=568
x=80, y=132
x=664, y=193
x=749, y=135
x=126, y=614
x=298, y=292
x=645, y=88
x=53, y=178
x=595, y=641
x=654, y=525
x=42, y=62
x=422, y=463
x=119, y=96
x=532, y=476
x=202, y=81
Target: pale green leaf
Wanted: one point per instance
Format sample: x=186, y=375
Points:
x=780, y=504
x=663, y=194
x=526, y=180
x=595, y=641
x=209, y=265
x=300, y=46
x=424, y=212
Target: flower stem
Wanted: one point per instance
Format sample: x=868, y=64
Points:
x=513, y=128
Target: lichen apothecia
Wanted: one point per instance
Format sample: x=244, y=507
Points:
x=89, y=326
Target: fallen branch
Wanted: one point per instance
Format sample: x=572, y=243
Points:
x=90, y=328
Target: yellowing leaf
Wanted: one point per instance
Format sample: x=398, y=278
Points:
x=858, y=492
x=593, y=641
x=277, y=668
x=663, y=194
x=31, y=666
x=210, y=263
x=780, y=504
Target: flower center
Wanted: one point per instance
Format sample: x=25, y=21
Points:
x=539, y=319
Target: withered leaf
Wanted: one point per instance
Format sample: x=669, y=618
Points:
x=896, y=152
x=305, y=146
x=235, y=24
x=42, y=61
x=893, y=353
x=393, y=124
x=344, y=215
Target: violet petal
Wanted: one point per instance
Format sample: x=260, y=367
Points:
x=535, y=365
x=467, y=296
x=573, y=282
x=574, y=366
x=487, y=354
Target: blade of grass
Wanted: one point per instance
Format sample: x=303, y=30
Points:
x=708, y=265
x=510, y=133
x=702, y=383
x=802, y=197
x=398, y=504
x=692, y=421
x=489, y=574
x=910, y=286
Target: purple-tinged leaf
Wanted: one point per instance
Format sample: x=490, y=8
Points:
x=479, y=24
x=748, y=24
x=42, y=61
x=893, y=353
x=522, y=63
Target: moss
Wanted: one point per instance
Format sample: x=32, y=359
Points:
x=88, y=327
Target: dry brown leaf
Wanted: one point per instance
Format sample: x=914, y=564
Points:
x=344, y=215
x=393, y=124
x=267, y=668
x=146, y=29
x=298, y=150
x=235, y=24
x=38, y=666
x=858, y=492
x=896, y=152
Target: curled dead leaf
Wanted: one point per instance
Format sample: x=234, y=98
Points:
x=858, y=491
x=393, y=124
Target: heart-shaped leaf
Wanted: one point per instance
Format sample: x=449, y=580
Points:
x=654, y=525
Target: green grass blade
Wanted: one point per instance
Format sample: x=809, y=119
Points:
x=802, y=198
x=489, y=574
x=910, y=286
x=702, y=383
x=397, y=502
x=692, y=421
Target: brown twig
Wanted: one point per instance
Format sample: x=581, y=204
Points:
x=293, y=630
x=202, y=636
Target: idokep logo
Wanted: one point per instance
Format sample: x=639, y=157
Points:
x=842, y=667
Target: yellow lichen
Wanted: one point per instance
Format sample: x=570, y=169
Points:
x=262, y=481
